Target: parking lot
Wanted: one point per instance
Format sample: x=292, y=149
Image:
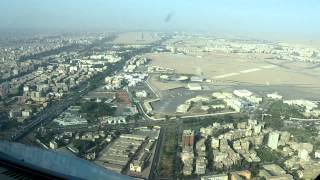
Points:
x=170, y=99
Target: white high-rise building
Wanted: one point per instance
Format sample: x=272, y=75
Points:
x=304, y=155
x=215, y=143
x=273, y=140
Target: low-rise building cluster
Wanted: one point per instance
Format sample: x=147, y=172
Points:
x=50, y=83
x=71, y=117
x=242, y=142
x=240, y=100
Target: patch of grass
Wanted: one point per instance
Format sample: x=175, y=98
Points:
x=304, y=134
x=209, y=154
x=268, y=155
x=278, y=109
x=165, y=167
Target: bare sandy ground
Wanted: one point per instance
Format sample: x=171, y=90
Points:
x=297, y=78
x=210, y=65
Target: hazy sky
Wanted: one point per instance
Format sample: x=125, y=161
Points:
x=297, y=17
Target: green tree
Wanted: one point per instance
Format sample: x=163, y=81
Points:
x=94, y=110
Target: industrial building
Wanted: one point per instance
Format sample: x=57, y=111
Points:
x=183, y=108
x=117, y=155
x=138, y=164
x=194, y=86
x=242, y=93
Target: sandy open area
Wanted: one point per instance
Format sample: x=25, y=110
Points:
x=292, y=79
x=210, y=65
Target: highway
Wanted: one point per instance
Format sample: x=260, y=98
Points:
x=303, y=119
x=50, y=112
x=162, y=123
x=156, y=158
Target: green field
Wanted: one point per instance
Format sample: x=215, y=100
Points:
x=167, y=153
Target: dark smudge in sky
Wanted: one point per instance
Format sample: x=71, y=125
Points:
x=168, y=17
